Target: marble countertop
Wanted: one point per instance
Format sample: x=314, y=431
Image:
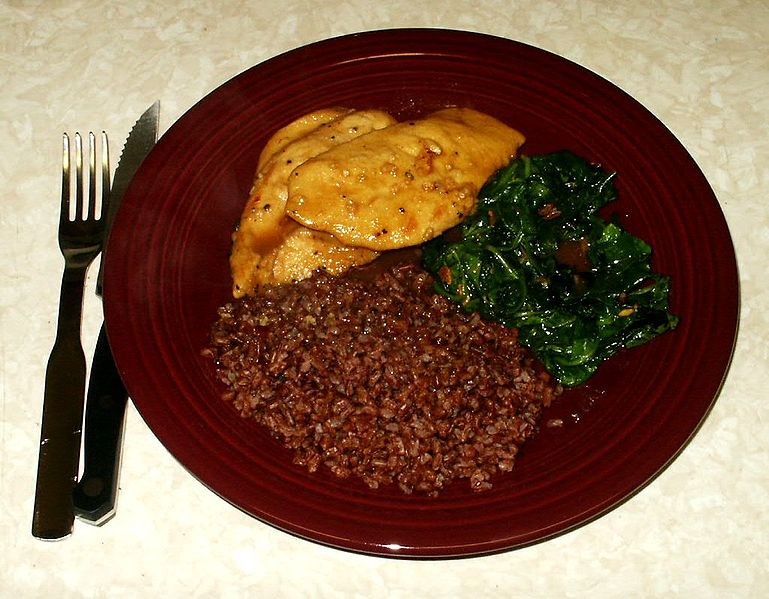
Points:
x=699, y=530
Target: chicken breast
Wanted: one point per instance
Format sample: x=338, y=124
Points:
x=259, y=251
x=404, y=184
x=297, y=129
x=304, y=251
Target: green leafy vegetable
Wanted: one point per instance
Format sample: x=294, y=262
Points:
x=537, y=256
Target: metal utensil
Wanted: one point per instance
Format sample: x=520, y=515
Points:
x=80, y=239
x=95, y=495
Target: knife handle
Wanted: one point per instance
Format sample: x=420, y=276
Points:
x=95, y=494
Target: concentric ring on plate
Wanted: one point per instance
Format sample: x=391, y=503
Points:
x=167, y=272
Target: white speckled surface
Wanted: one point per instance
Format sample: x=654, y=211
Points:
x=700, y=530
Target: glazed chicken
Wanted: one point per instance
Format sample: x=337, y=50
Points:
x=336, y=187
x=270, y=248
x=404, y=184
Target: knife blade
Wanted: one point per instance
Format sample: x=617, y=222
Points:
x=95, y=494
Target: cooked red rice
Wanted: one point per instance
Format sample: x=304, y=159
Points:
x=381, y=379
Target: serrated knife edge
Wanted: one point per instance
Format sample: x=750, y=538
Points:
x=141, y=138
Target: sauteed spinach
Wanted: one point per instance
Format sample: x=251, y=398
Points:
x=536, y=255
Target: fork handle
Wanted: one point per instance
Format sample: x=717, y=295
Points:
x=62, y=419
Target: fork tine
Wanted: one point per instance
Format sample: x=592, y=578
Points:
x=105, y=173
x=79, y=200
x=91, y=175
x=65, y=183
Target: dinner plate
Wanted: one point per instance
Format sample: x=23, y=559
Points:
x=167, y=272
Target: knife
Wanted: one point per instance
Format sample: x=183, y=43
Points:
x=95, y=494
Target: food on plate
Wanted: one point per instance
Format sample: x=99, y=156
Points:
x=270, y=248
x=297, y=129
x=337, y=186
x=404, y=184
x=423, y=369
x=303, y=251
x=379, y=378
x=537, y=256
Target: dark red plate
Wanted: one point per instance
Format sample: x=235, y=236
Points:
x=167, y=272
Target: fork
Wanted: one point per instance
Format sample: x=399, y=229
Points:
x=81, y=234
